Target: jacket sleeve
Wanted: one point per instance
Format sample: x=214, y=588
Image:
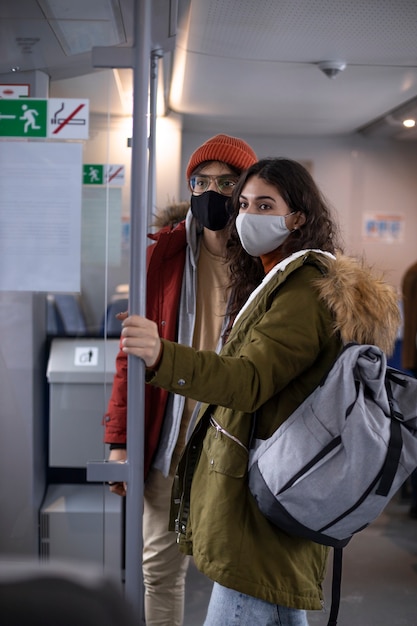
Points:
x=115, y=418
x=116, y=415
x=271, y=351
x=164, y=282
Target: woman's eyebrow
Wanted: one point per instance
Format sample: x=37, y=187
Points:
x=259, y=197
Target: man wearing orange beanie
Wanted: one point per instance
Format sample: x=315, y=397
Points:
x=187, y=282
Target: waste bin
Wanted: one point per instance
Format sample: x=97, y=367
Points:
x=84, y=523
x=80, y=374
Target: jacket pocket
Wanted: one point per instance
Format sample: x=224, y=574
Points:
x=226, y=454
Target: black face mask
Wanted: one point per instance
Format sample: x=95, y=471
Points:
x=210, y=209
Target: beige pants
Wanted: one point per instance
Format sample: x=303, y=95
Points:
x=164, y=566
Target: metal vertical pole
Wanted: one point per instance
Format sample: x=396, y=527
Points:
x=137, y=304
x=153, y=97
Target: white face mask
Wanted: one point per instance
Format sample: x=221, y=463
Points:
x=260, y=234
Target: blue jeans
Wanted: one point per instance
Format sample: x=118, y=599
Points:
x=232, y=608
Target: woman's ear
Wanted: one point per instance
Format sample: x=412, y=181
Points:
x=299, y=219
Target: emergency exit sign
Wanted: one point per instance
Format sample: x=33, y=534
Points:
x=103, y=174
x=23, y=118
x=55, y=118
x=93, y=174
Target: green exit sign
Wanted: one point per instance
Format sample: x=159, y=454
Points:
x=23, y=118
x=93, y=174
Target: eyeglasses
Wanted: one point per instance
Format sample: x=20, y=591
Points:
x=201, y=182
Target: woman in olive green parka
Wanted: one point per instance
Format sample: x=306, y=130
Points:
x=283, y=341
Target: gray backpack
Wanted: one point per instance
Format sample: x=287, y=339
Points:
x=336, y=462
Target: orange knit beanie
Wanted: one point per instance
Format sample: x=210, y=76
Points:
x=230, y=150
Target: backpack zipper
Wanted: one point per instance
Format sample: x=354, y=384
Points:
x=224, y=432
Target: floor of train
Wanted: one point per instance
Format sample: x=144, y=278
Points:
x=379, y=582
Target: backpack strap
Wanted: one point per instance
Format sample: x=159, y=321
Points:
x=392, y=460
x=336, y=585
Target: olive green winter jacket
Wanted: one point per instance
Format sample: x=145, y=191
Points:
x=280, y=347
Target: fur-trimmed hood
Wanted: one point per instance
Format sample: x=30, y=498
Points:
x=171, y=215
x=364, y=306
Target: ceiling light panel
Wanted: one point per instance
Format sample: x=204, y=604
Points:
x=80, y=25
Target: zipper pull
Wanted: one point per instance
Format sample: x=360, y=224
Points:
x=216, y=426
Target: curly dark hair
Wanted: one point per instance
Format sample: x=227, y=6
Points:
x=298, y=189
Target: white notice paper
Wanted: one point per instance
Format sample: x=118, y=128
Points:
x=40, y=216
x=101, y=230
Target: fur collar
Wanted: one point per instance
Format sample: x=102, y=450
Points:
x=364, y=306
x=171, y=215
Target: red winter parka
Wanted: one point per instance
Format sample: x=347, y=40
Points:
x=165, y=267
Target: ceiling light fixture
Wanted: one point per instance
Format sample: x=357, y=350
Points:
x=331, y=69
x=394, y=121
x=391, y=124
